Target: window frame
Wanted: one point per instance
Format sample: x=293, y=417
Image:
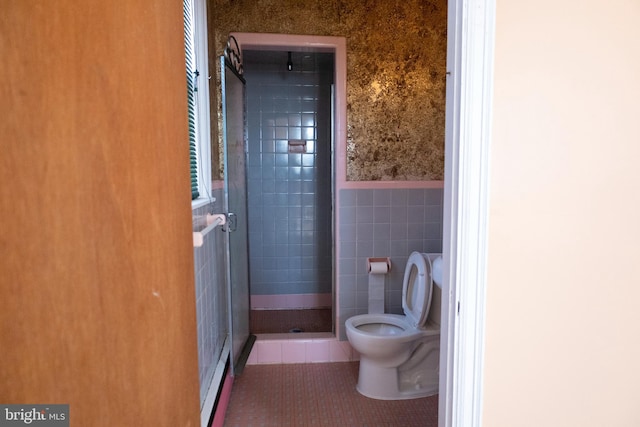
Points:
x=202, y=104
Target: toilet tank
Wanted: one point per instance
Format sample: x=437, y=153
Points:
x=435, y=313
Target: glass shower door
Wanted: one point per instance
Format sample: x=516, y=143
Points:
x=235, y=191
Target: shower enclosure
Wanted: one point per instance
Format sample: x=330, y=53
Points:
x=290, y=189
x=235, y=202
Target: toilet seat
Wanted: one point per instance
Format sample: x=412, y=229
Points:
x=417, y=289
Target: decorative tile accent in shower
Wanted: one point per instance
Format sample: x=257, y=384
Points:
x=382, y=223
x=211, y=295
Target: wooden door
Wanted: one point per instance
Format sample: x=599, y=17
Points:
x=96, y=260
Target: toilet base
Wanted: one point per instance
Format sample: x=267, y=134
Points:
x=383, y=383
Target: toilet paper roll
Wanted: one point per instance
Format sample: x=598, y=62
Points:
x=378, y=268
x=377, y=273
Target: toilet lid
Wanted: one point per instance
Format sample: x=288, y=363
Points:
x=417, y=289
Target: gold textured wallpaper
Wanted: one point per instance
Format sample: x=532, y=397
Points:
x=396, y=72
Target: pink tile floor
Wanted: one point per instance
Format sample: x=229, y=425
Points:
x=318, y=394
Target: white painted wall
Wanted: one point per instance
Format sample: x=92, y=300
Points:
x=563, y=295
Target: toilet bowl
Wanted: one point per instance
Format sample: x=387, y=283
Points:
x=399, y=354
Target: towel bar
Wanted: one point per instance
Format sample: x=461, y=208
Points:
x=212, y=222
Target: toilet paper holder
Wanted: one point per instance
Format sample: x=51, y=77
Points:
x=374, y=260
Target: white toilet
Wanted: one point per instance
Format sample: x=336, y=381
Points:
x=399, y=355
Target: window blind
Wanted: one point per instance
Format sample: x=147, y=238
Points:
x=191, y=94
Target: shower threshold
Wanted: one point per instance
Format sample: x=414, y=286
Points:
x=291, y=321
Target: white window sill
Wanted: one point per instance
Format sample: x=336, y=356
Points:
x=200, y=202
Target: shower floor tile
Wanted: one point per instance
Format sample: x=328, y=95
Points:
x=283, y=321
x=318, y=394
